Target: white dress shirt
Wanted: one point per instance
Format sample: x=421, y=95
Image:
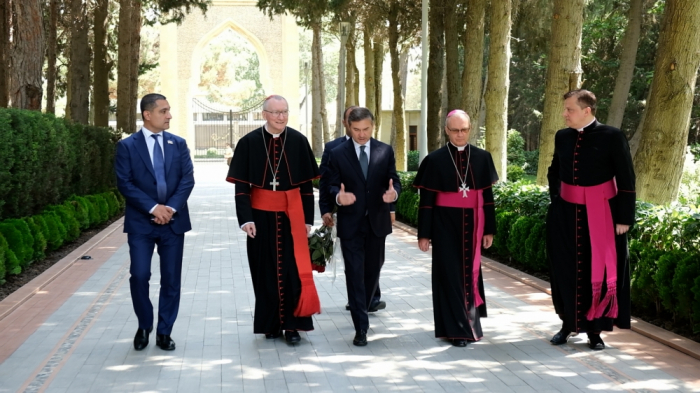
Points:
x=151, y=143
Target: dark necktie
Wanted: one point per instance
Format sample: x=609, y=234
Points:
x=364, y=163
x=159, y=168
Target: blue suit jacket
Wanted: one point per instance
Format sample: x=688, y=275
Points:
x=345, y=168
x=136, y=180
x=325, y=202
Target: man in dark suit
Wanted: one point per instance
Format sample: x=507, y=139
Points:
x=363, y=183
x=155, y=175
x=326, y=203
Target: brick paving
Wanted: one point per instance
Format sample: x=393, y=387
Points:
x=71, y=330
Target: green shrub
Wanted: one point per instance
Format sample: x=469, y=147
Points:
x=67, y=217
x=413, y=160
x=516, y=148
x=11, y=262
x=56, y=231
x=112, y=204
x=122, y=201
x=535, y=247
x=407, y=207
x=407, y=179
x=532, y=160
x=93, y=211
x=38, y=236
x=81, y=213
x=504, y=219
x=683, y=281
x=663, y=277
x=3, y=269
x=515, y=173
x=696, y=305
x=15, y=244
x=519, y=232
x=643, y=268
x=27, y=241
x=101, y=208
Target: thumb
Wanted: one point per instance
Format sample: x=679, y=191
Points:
x=342, y=187
x=391, y=183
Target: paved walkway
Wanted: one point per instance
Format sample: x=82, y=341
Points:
x=71, y=329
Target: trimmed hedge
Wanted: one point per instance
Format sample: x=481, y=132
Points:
x=45, y=159
x=25, y=240
x=664, y=246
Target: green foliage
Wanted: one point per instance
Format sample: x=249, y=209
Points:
x=101, y=207
x=93, y=211
x=38, y=236
x=535, y=247
x=15, y=243
x=504, y=219
x=44, y=159
x=524, y=199
x=520, y=230
x=112, y=204
x=11, y=263
x=531, y=162
x=56, y=231
x=407, y=179
x=3, y=269
x=81, y=212
x=27, y=240
x=413, y=160
x=666, y=268
x=67, y=216
x=515, y=145
x=696, y=304
x=687, y=270
x=515, y=173
x=407, y=207
x=643, y=266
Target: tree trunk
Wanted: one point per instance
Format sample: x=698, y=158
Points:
x=659, y=160
x=51, y=46
x=27, y=54
x=453, y=27
x=350, y=67
x=319, y=125
x=436, y=68
x=403, y=77
x=498, y=83
x=563, y=74
x=5, y=12
x=101, y=65
x=629, y=44
x=472, y=77
x=128, y=61
x=401, y=150
x=370, y=87
x=79, y=69
x=378, y=69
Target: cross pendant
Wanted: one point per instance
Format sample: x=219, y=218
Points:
x=464, y=190
x=274, y=184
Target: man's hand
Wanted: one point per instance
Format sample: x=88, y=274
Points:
x=249, y=228
x=308, y=230
x=345, y=198
x=162, y=214
x=424, y=244
x=621, y=228
x=327, y=219
x=488, y=241
x=390, y=194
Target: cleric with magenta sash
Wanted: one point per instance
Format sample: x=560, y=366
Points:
x=457, y=215
x=273, y=167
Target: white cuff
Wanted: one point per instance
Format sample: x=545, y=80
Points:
x=249, y=222
x=152, y=209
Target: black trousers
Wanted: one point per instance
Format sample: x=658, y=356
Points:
x=364, y=257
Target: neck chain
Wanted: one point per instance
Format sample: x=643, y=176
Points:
x=463, y=180
x=274, y=183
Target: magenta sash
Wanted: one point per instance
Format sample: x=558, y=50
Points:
x=474, y=200
x=602, y=233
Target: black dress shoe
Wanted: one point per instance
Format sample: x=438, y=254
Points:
x=458, y=342
x=292, y=336
x=164, y=342
x=141, y=338
x=347, y=306
x=360, y=338
x=376, y=306
x=595, y=342
x=273, y=335
x=561, y=337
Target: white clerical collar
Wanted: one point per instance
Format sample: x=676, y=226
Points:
x=581, y=129
x=459, y=148
x=273, y=135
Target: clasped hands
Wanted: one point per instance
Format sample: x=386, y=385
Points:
x=348, y=198
x=163, y=214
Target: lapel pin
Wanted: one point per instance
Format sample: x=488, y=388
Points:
x=170, y=142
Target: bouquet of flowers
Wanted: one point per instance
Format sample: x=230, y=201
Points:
x=321, y=247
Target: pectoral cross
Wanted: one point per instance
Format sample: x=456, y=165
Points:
x=464, y=188
x=274, y=183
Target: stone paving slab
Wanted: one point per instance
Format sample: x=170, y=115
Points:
x=84, y=344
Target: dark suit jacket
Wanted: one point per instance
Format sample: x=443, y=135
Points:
x=325, y=202
x=136, y=180
x=345, y=168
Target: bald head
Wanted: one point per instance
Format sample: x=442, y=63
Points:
x=457, y=127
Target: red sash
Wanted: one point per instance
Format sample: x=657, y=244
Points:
x=602, y=233
x=289, y=202
x=474, y=200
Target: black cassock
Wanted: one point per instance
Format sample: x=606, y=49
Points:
x=273, y=267
x=451, y=231
x=588, y=158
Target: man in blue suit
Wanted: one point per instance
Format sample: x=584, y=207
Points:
x=363, y=183
x=326, y=203
x=155, y=175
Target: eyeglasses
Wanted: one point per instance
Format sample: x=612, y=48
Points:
x=277, y=113
x=458, y=130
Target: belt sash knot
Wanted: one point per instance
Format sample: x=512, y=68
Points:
x=474, y=200
x=602, y=234
x=290, y=203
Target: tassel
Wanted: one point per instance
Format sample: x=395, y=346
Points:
x=610, y=296
x=597, y=287
x=308, y=304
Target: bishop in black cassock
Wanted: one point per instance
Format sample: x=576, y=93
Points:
x=270, y=163
x=457, y=215
x=587, y=243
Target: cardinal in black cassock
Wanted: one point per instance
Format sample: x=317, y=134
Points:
x=273, y=167
x=457, y=214
x=591, y=183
